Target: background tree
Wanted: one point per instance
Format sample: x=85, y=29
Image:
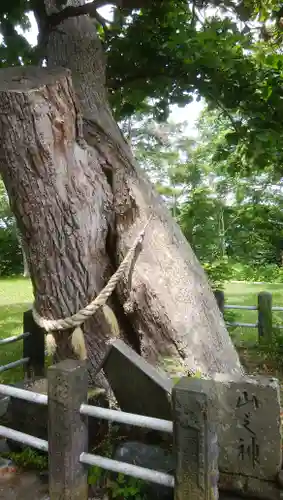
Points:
x=10, y=251
x=162, y=150
x=223, y=214
x=241, y=215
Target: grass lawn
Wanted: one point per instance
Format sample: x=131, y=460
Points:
x=15, y=297
x=245, y=294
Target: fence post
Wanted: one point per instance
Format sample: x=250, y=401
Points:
x=220, y=299
x=67, y=430
x=265, y=317
x=195, y=441
x=33, y=347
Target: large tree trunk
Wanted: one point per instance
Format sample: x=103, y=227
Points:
x=61, y=199
x=80, y=209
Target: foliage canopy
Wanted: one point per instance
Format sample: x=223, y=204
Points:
x=165, y=52
x=224, y=217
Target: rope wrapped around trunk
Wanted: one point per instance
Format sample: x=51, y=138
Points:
x=75, y=321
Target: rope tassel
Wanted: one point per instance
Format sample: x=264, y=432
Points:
x=50, y=343
x=78, y=343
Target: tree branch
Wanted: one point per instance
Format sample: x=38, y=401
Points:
x=80, y=10
x=91, y=9
x=225, y=112
x=135, y=4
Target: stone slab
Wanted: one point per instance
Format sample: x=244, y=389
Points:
x=151, y=457
x=249, y=487
x=155, y=457
x=247, y=412
x=138, y=386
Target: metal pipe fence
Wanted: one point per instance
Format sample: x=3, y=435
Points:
x=16, y=392
x=264, y=310
x=68, y=414
x=14, y=364
x=14, y=338
x=244, y=325
x=68, y=410
x=67, y=446
x=128, y=469
x=18, y=362
x=156, y=424
x=97, y=412
x=248, y=308
x=33, y=359
x=26, y=439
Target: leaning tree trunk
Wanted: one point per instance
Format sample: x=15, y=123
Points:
x=80, y=208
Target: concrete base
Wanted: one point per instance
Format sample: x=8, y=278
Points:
x=249, y=487
x=22, y=486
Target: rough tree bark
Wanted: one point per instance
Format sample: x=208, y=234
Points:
x=52, y=179
x=80, y=208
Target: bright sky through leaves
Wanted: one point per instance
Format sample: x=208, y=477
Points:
x=189, y=113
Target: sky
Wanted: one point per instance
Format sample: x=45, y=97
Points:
x=188, y=114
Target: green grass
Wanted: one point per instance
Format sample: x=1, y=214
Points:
x=15, y=297
x=246, y=294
